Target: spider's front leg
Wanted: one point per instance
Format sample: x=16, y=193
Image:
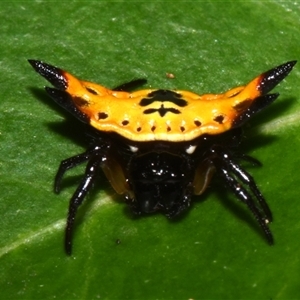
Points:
x=91, y=172
x=96, y=157
x=242, y=184
x=71, y=163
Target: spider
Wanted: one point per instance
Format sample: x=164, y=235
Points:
x=160, y=147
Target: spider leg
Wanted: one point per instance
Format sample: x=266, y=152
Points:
x=91, y=172
x=71, y=163
x=96, y=156
x=131, y=85
x=246, y=178
x=243, y=186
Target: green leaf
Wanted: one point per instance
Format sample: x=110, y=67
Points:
x=217, y=249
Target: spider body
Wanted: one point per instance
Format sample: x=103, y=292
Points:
x=158, y=148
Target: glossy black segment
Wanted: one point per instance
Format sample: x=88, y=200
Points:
x=95, y=156
x=257, y=105
x=272, y=77
x=160, y=183
x=162, y=111
x=91, y=173
x=71, y=163
x=65, y=100
x=130, y=86
x=163, y=96
x=52, y=74
x=241, y=183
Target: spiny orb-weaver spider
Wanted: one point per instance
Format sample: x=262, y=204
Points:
x=159, y=147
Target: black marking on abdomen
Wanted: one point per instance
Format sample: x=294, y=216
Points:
x=162, y=110
x=164, y=96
